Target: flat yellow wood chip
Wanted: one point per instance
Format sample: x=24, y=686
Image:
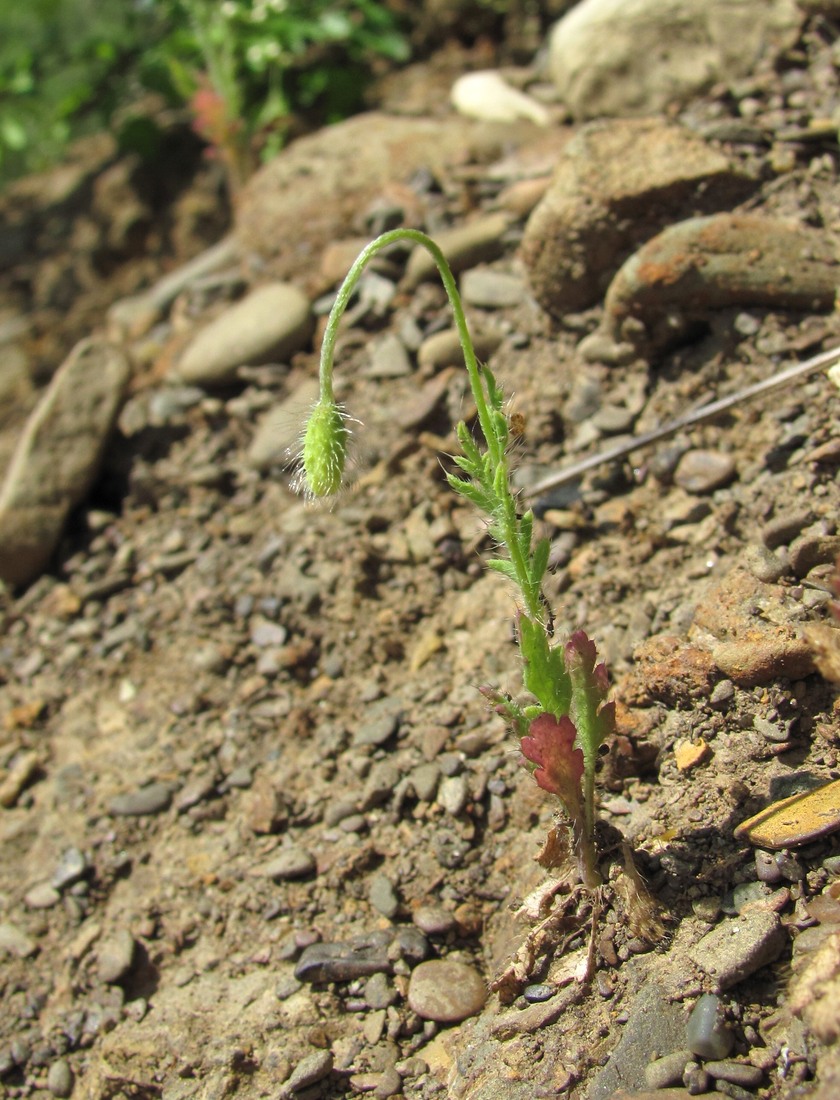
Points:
x=688, y=754
x=795, y=820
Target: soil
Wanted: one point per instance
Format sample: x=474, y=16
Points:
x=297, y=682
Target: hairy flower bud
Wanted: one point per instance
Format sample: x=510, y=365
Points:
x=324, y=449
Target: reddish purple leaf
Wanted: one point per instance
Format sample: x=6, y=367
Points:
x=550, y=745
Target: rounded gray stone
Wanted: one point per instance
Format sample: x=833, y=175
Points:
x=289, y=863
x=446, y=992
x=115, y=956
x=152, y=799
x=270, y=324
x=736, y=948
x=60, y=1078
x=706, y=1032
x=702, y=471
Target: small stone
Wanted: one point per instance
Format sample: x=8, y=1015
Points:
x=60, y=1078
x=379, y=992
x=341, y=962
x=380, y=785
x=808, y=551
x=264, y=633
x=696, y=1080
x=688, y=754
x=313, y=1068
x=667, y=1071
x=453, y=794
x=722, y=694
x=424, y=779
x=748, y=1077
x=443, y=349
x=115, y=956
x=72, y=866
x=152, y=799
x=15, y=942
x=701, y=471
x=19, y=775
x=782, y=529
x=269, y=325
x=736, y=948
x=389, y=358
x=434, y=920
x=492, y=289
x=377, y=730
x=465, y=246
x=42, y=896
x=537, y=994
x=383, y=897
x=766, y=867
x=706, y=1032
x=771, y=731
x=446, y=992
x=486, y=95
x=389, y=1084
x=289, y=863
x=764, y=564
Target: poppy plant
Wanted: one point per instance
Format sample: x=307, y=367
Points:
x=562, y=731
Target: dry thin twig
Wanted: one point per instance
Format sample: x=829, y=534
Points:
x=695, y=416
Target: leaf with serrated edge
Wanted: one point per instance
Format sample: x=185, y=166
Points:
x=550, y=745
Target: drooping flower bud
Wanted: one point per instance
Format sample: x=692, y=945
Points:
x=324, y=449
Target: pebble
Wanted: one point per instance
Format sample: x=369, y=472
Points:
x=289, y=863
x=434, y=920
x=72, y=866
x=696, y=1080
x=443, y=349
x=342, y=962
x=383, y=897
x=115, y=956
x=389, y=358
x=410, y=944
x=706, y=1032
x=465, y=246
x=313, y=1068
x=60, y=1078
x=41, y=896
x=486, y=95
x=738, y=947
x=739, y=1073
x=722, y=694
x=536, y=994
x=264, y=633
x=666, y=1071
x=492, y=289
x=764, y=564
x=152, y=799
x=453, y=794
x=378, y=730
x=784, y=528
x=379, y=992
x=424, y=779
x=446, y=992
x=15, y=942
x=269, y=325
x=380, y=784
x=766, y=867
x=701, y=471
x=808, y=551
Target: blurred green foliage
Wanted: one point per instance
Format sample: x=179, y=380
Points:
x=67, y=66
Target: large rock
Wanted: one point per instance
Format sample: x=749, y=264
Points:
x=617, y=184
x=703, y=264
x=270, y=324
x=314, y=191
x=58, y=457
x=633, y=57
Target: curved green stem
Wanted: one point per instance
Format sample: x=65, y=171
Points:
x=495, y=435
x=470, y=362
